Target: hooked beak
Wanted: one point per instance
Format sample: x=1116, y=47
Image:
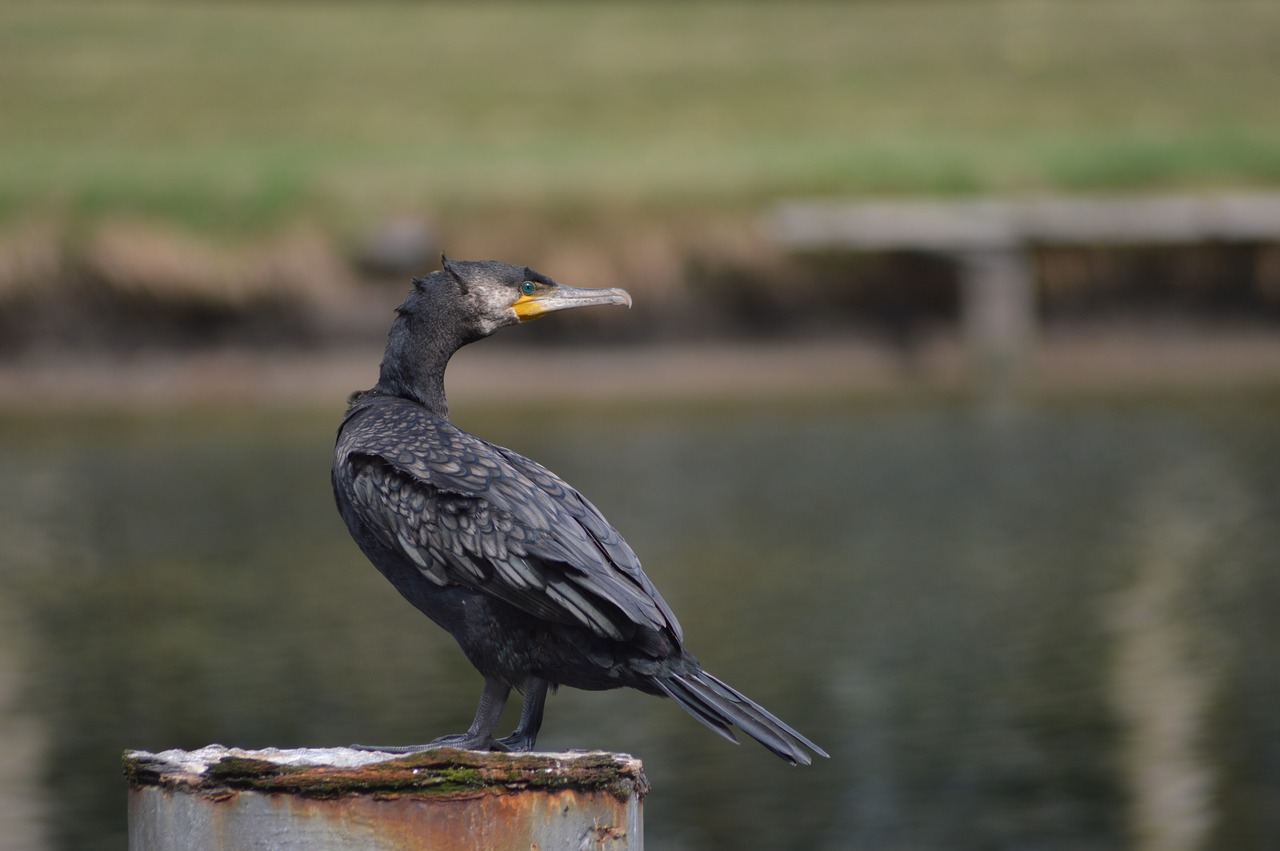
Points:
x=561, y=297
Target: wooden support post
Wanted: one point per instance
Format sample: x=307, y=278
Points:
x=323, y=800
x=999, y=317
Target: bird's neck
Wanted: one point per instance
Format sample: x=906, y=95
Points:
x=418, y=350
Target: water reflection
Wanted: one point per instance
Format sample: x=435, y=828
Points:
x=1168, y=651
x=1050, y=631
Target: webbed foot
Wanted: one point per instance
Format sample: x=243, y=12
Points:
x=517, y=742
x=462, y=741
x=401, y=749
x=468, y=742
x=480, y=737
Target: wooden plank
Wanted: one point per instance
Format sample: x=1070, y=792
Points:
x=954, y=225
x=947, y=226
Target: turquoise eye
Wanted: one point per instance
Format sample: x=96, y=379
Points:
x=527, y=288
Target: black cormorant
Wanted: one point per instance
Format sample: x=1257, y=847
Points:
x=533, y=583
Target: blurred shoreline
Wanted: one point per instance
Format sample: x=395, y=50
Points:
x=1106, y=360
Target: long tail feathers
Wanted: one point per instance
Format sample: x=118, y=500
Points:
x=720, y=706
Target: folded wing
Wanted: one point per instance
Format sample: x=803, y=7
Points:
x=466, y=512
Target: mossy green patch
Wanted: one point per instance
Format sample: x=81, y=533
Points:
x=429, y=773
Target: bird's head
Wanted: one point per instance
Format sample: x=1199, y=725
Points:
x=485, y=295
x=465, y=301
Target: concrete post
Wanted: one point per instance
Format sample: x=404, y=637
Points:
x=323, y=800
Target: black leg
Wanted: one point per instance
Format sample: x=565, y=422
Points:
x=479, y=737
x=526, y=732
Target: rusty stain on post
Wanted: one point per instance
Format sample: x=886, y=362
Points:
x=439, y=800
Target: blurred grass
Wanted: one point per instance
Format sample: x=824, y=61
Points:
x=228, y=116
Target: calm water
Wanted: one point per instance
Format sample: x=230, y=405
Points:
x=1053, y=630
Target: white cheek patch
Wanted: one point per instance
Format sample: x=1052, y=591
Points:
x=493, y=304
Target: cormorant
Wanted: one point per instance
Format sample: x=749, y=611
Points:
x=530, y=579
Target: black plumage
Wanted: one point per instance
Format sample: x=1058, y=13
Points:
x=538, y=589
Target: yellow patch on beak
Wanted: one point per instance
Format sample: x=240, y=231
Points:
x=527, y=307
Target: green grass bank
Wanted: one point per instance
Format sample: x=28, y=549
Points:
x=228, y=118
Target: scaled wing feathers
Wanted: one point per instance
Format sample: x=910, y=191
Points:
x=467, y=512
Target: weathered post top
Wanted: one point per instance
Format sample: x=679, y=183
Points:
x=339, y=798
